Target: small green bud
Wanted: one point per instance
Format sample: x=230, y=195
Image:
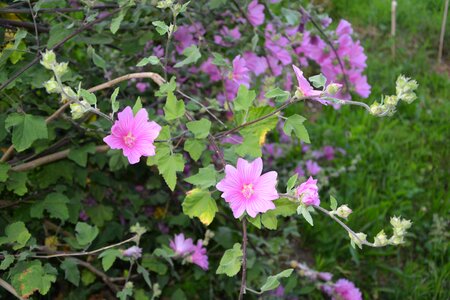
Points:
x=68, y=92
x=396, y=240
x=78, y=110
x=376, y=109
x=343, y=211
x=51, y=86
x=333, y=88
x=60, y=69
x=405, y=88
x=358, y=241
x=299, y=94
x=381, y=239
x=391, y=101
x=48, y=59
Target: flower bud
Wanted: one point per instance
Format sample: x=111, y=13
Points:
x=376, y=109
x=391, y=101
x=68, y=94
x=396, y=240
x=60, y=69
x=51, y=86
x=78, y=110
x=48, y=59
x=381, y=239
x=405, y=88
x=299, y=94
x=333, y=88
x=294, y=264
x=358, y=241
x=343, y=211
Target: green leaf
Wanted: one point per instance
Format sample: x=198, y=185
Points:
x=231, y=261
x=4, y=168
x=199, y=128
x=168, y=166
x=80, y=154
x=173, y=109
x=198, y=203
x=100, y=214
x=205, y=177
x=88, y=96
x=153, y=264
x=115, y=23
x=161, y=27
x=195, y=148
x=153, y=60
x=292, y=16
x=97, y=59
x=17, y=182
x=26, y=130
x=269, y=220
x=55, y=204
x=192, y=55
x=284, y=207
x=333, y=203
x=244, y=98
x=250, y=146
x=318, y=81
x=167, y=87
x=279, y=95
x=57, y=33
x=291, y=182
x=85, y=233
x=256, y=221
x=126, y=292
x=273, y=282
x=7, y=261
x=109, y=257
x=114, y=103
x=305, y=213
x=16, y=234
x=141, y=270
x=137, y=106
x=71, y=272
x=295, y=123
x=29, y=277
x=219, y=60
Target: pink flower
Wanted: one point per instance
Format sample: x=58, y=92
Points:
x=254, y=63
x=240, y=74
x=346, y=290
x=309, y=192
x=142, y=86
x=211, y=69
x=328, y=152
x=312, y=167
x=255, y=13
x=199, y=256
x=303, y=85
x=133, y=134
x=325, y=276
x=181, y=245
x=134, y=252
x=247, y=190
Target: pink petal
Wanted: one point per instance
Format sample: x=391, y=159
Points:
x=249, y=172
x=114, y=142
x=303, y=84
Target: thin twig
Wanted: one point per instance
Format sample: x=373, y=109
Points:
x=28, y=25
x=53, y=10
x=442, y=35
x=99, y=273
x=36, y=32
x=10, y=289
x=244, y=259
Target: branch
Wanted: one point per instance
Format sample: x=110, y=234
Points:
x=99, y=273
x=27, y=25
x=50, y=158
x=244, y=258
x=53, y=10
x=10, y=289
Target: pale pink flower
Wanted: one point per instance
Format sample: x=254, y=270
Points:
x=133, y=134
x=134, y=252
x=309, y=192
x=254, y=63
x=199, y=256
x=255, y=13
x=142, y=86
x=325, y=276
x=303, y=85
x=312, y=167
x=346, y=290
x=182, y=246
x=247, y=190
x=240, y=74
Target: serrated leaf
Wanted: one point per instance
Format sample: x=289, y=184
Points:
x=161, y=27
x=109, y=257
x=198, y=203
x=195, y=148
x=29, y=277
x=55, y=204
x=137, y=106
x=291, y=182
x=17, y=182
x=141, y=270
x=4, y=168
x=167, y=87
x=333, y=203
x=273, y=282
x=244, y=98
x=153, y=60
x=173, y=109
x=99, y=214
x=295, y=123
x=168, y=167
x=231, y=261
x=269, y=220
x=306, y=214
x=88, y=96
x=192, y=55
x=199, y=128
x=115, y=23
x=205, y=177
x=284, y=207
x=219, y=60
x=154, y=264
x=85, y=233
x=80, y=154
x=279, y=95
x=16, y=234
x=71, y=272
x=114, y=103
x=318, y=81
x=26, y=130
x=7, y=261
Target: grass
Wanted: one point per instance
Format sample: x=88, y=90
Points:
x=404, y=166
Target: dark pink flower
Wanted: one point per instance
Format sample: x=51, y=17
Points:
x=255, y=13
x=309, y=192
x=199, y=256
x=346, y=290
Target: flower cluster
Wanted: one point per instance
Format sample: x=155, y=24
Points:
x=308, y=192
x=190, y=252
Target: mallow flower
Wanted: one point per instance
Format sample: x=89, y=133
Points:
x=255, y=13
x=199, y=256
x=182, y=246
x=304, y=87
x=346, y=290
x=134, y=252
x=133, y=134
x=246, y=190
x=309, y=192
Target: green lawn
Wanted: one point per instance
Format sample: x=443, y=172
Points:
x=404, y=167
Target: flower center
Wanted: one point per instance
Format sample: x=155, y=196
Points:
x=247, y=190
x=129, y=139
